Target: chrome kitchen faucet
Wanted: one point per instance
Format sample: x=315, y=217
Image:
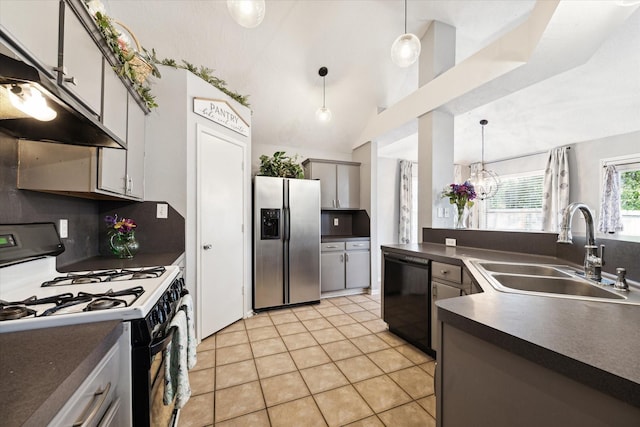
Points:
x=592, y=260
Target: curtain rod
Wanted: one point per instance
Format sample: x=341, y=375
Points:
x=524, y=155
x=622, y=163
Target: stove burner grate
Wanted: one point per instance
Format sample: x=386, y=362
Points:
x=105, y=276
x=145, y=273
x=13, y=312
x=105, y=303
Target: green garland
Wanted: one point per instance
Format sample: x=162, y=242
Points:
x=127, y=69
x=110, y=35
x=205, y=74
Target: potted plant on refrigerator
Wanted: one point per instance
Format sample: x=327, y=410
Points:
x=280, y=165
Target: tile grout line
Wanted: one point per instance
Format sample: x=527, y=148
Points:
x=280, y=336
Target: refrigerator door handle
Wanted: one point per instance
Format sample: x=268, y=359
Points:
x=287, y=225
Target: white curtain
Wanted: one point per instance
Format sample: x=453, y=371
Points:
x=610, y=209
x=555, y=196
x=404, y=228
x=478, y=205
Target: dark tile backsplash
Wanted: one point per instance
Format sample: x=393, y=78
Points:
x=22, y=206
x=350, y=223
x=87, y=231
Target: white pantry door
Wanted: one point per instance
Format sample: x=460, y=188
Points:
x=221, y=248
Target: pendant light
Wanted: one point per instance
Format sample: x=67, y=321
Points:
x=247, y=13
x=486, y=182
x=323, y=113
x=406, y=49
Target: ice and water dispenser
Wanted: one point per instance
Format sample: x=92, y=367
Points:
x=270, y=224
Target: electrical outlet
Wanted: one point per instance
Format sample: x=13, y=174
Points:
x=162, y=210
x=446, y=213
x=450, y=242
x=63, y=228
x=440, y=212
x=336, y=222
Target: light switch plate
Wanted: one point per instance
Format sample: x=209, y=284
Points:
x=63, y=228
x=446, y=212
x=336, y=222
x=162, y=210
x=450, y=242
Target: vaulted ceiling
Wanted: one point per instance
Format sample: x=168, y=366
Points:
x=277, y=64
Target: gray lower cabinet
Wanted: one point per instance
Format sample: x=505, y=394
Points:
x=344, y=265
x=499, y=388
x=332, y=271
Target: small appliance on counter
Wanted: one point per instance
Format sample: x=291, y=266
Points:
x=286, y=244
x=33, y=295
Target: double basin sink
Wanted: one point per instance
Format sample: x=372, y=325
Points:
x=552, y=280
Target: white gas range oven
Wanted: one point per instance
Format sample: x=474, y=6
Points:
x=34, y=295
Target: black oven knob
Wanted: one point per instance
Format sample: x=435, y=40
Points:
x=162, y=317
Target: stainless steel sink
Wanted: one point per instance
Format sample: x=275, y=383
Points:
x=555, y=285
x=528, y=269
x=561, y=281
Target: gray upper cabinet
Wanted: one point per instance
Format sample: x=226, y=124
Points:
x=114, y=109
x=135, y=150
x=121, y=171
x=36, y=33
x=81, y=71
x=339, y=182
x=348, y=191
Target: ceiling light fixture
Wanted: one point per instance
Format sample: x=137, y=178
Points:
x=30, y=101
x=406, y=49
x=486, y=182
x=247, y=13
x=323, y=114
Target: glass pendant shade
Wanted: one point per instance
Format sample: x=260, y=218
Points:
x=323, y=114
x=405, y=50
x=30, y=101
x=247, y=13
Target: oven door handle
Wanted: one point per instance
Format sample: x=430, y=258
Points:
x=157, y=346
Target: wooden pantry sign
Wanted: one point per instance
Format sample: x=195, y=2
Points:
x=220, y=112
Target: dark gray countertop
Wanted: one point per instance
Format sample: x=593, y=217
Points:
x=108, y=262
x=595, y=343
x=42, y=368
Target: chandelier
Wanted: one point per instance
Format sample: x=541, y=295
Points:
x=486, y=182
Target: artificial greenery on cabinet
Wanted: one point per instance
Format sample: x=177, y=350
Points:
x=280, y=165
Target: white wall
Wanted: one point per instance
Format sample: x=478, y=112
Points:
x=388, y=200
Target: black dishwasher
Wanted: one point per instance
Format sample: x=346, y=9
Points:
x=407, y=299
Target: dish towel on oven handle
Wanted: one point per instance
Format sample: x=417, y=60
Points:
x=176, y=374
x=186, y=304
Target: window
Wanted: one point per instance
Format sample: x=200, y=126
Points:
x=518, y=203
x=630, y=197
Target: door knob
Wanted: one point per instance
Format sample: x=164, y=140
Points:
x=206, y=247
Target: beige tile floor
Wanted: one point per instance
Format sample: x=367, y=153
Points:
x=329, y=364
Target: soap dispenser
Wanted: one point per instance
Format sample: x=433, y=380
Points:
x=621, y=281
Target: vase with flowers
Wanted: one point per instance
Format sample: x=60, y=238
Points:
x=461, y=195
x=122, y=238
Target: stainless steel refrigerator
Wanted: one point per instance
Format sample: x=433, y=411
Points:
x=286, y=241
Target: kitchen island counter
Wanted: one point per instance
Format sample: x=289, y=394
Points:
x=42, y=368
x=594, y=343
x=111, y=262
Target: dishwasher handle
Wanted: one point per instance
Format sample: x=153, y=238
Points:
x=401, y=259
